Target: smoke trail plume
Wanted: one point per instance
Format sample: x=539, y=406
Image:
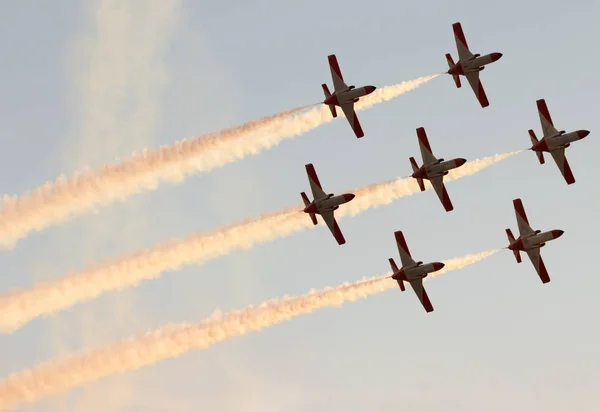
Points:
x=171, y=341
x=21, y=305
x=65, y=198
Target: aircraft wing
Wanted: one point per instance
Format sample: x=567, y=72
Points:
x=547, y=125
x=403, y=251
x=475, y=83
x=522, y=221
x=461, y=42
x=336, y=74
x=348, y=109
x=563, y=165
x=426, y=152
x=417, y=285
x=333, y=226
x=538, y=264
x=440, y=189
x=313, y=180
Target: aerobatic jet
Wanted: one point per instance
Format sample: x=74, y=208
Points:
x=554, y=142
x=433, y=169
x=530, y=241
x=324, y=204
x=469, y=65
x=344, y=96
x=412, y=272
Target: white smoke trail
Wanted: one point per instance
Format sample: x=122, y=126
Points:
x=171, y=341
x=65, y=198
x=21, y=305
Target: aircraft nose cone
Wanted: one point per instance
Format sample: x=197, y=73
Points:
x=496, y=56
x=349, y=196
x=460, y=162
x=370, y=89
x=582, y=133
x=438, y=265
x=557, y=233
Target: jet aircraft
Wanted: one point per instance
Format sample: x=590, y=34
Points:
x=433, y=169
x=530, y=241
x=469, y=65
x=412, y=272
x=554, y=142
x=324, y=204
x=344, y=96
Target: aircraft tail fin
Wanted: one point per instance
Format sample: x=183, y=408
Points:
x=534, y=140
x=327, y=94
x=307, y=203
x=511, y=239
x=396, y=270
x=451, y=65
x=415, y=167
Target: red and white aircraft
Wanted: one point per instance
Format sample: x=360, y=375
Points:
x=433, y=169
x=344, y=96
x=324, y=204
x=530, y=241
x=412, y=272
x=469, y=64
x=554, y=142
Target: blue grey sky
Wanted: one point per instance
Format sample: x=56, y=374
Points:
x=86, y=83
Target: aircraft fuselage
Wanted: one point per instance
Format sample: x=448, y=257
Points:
x=328, y=203
x=474, y=64
x=441, y=167
x=417, y=271
x=349, y=95
x=559, y=141
x=535, y=240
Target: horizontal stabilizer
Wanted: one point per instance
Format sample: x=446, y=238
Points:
x=451, y=65
x=396, y=270
x=534, y=141
x=511, y=239
x=306, y=204
x=415, y=167
x=327, y=94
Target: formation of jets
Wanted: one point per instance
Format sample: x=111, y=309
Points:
x=433, y=169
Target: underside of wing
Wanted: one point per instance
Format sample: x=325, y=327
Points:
x=538, y=264
x=350, y=114
x=333, y=226
x=403, y=251
x=545, y=119
x=475, y=83
x=461, y=42
x=522, y=221
x=426, y=152
x=442, y=193
x=313, y=180
x=417, y=286
x=563, y=165
x=336, y=73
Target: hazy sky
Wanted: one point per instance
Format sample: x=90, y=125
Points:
x=85, y=83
